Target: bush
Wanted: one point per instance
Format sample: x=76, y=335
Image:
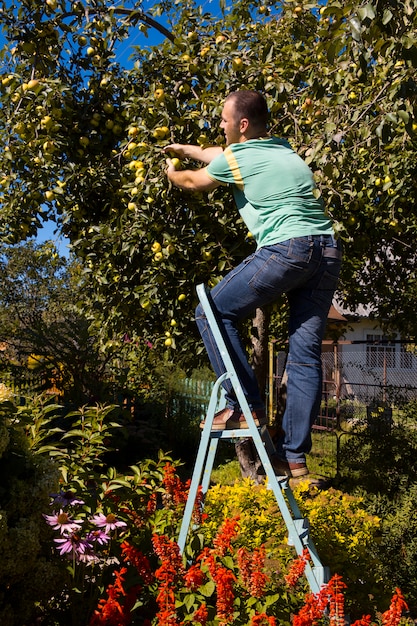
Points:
x=27, y=575
x=383, y=471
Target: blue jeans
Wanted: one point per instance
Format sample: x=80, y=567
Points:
x=307, y=270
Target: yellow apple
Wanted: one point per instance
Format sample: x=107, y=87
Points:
x=49, y=195
x=168, y=342
x=158, y=257
x=48, y=146
x=141, y=147
x=237, y=64
x=34, y=85
x=202, y=139
x=159, y=95
x=156, y=247
x=176, y=163
x=181, y=297
x=108, y=108
x=7, y=80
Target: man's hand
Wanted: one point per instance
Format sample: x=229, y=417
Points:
x=177, y=148
x=197, y=153
x=190, y=180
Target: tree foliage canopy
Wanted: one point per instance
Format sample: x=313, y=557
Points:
x=82, y=140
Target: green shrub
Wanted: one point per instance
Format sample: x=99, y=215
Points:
x=27, y=575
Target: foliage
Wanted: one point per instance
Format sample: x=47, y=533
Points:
x=27, y=575
x=382, y=470
x=347, y=537
x=114, y=546
x=41, y=327
x=82, y=141
x=344, y=533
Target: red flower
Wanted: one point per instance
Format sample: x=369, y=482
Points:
x=228, y=531
x=395, y=611
x=151, y=505
x=224, y=580
x=251, y=570
x=168, y=573
x=334, y=590
x=262, y=619
x=111, y=612
x=201, y=615
x=194, y=577
x=175, y=490
x=297, y=568
x=364, y=621
x=138, y=560
x=312, y=610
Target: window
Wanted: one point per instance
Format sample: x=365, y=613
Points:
x=406, y=358
x=379, y=352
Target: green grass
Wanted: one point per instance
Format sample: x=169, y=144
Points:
x=321, y=461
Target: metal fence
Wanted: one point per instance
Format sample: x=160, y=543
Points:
x=364, y=388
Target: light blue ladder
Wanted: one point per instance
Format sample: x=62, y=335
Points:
x=297, y=526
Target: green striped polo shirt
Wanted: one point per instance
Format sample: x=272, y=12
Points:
x=273, y=190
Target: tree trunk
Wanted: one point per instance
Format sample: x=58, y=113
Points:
x=250, y=464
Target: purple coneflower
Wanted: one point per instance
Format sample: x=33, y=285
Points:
x=108, y=522
x=98, y=536
x=65, y=498
x=61, y=521
x=72, y=543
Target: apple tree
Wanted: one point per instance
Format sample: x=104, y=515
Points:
x=83, y=139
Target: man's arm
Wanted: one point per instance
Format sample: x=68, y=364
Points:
x=191, y=180
x=197, y=153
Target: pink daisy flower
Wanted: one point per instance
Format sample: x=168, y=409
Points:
x=63, y=522
x=108, y=522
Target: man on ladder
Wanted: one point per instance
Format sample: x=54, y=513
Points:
x=297, y=254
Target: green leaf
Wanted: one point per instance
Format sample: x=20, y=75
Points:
x=367, y=12
x=208, y=589
x=387, y=17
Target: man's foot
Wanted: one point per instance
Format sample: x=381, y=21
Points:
x=317, y=482
x=229, y=419
x=288, y=468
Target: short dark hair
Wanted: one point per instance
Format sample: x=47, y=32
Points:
x=252, y=105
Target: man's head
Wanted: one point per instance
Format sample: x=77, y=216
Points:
x=244, y=116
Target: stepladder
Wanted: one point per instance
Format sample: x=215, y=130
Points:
x=297, y=526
